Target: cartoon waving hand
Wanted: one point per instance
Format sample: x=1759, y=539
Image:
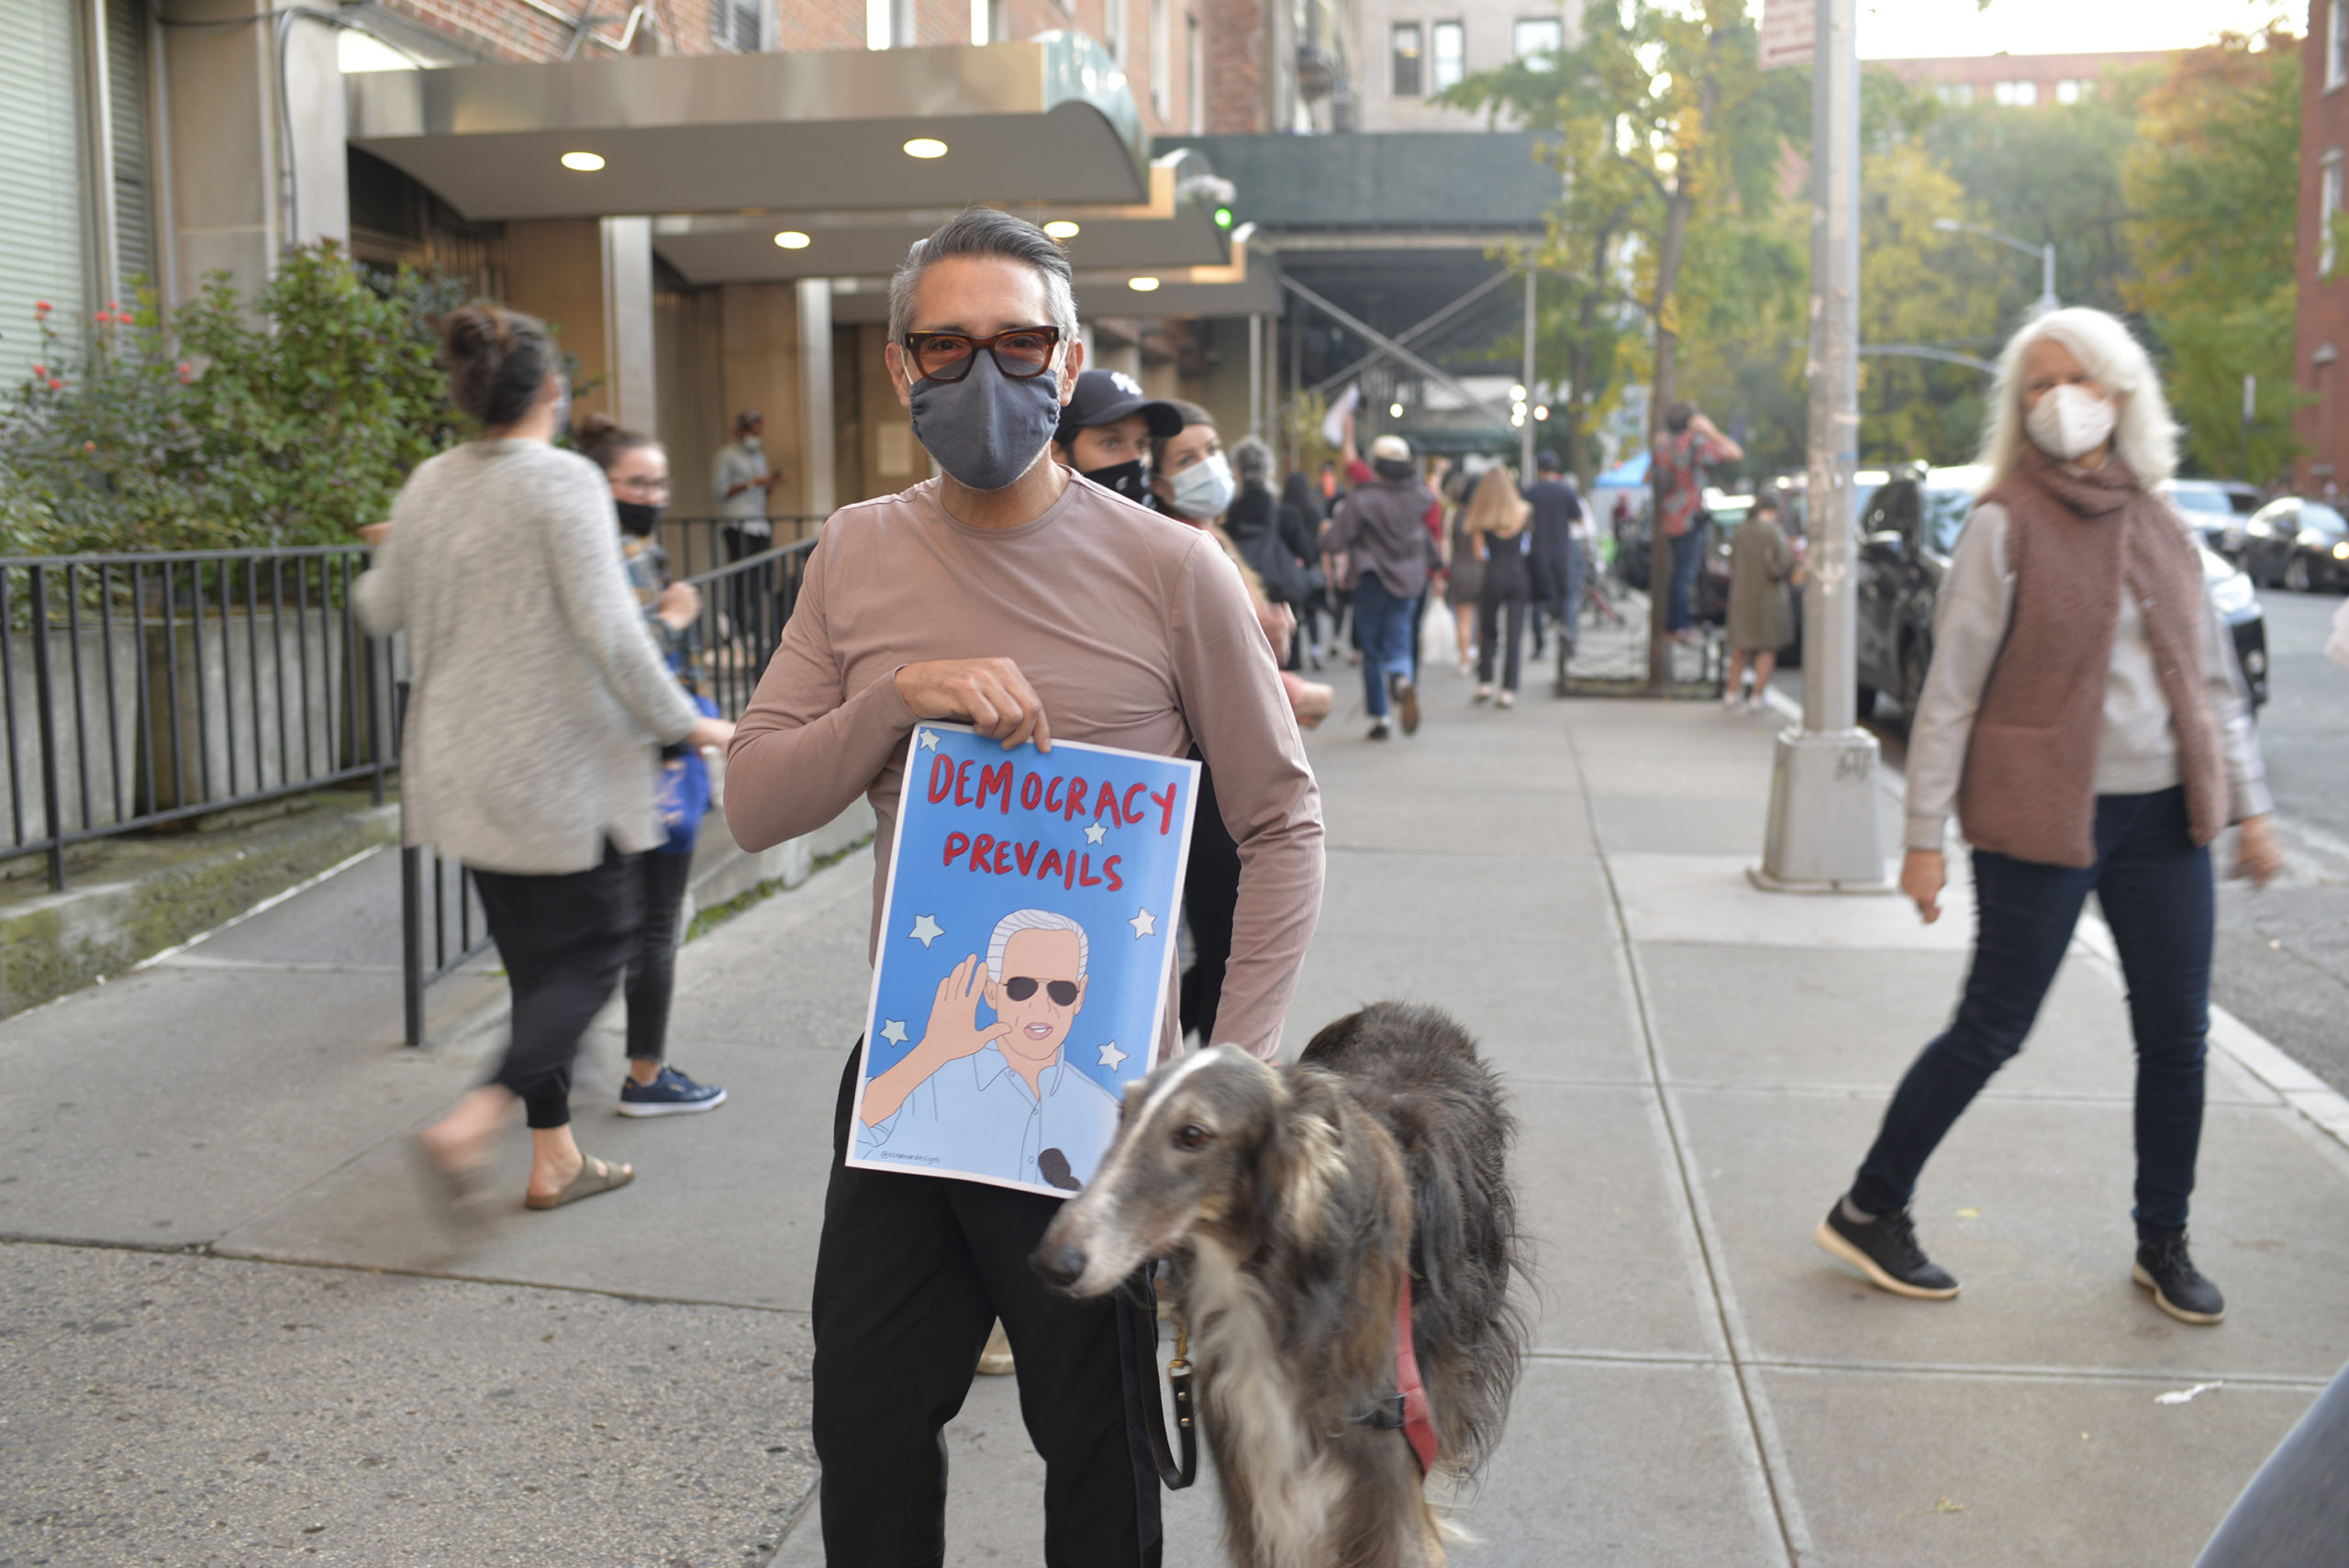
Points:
x=952, y=1034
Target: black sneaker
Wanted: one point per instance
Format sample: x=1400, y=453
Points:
x=1378, y=730
x=670, y=1093
x=1407, y=702
x=1885, y=1249
x=2178, y=1287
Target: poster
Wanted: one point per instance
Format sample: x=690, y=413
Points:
x=1027, y=942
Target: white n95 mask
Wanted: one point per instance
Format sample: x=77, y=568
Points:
x=2069, y=421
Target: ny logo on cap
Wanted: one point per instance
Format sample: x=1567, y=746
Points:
x=1126, y=384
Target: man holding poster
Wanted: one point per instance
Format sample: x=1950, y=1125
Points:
x=1087, y=644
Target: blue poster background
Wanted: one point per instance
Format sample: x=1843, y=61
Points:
x=1088, y=836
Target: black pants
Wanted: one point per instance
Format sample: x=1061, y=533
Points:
x=660, y=882
x=1210, y=893
x=2152, y=882
x=563, y=940
x=1500, y=619
x=752, y=590
x=909, y=1274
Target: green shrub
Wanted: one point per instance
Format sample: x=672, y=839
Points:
x=289, y=417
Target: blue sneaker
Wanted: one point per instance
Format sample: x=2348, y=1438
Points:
x=671, y=1094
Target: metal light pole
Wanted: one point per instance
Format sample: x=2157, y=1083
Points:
x=1825, y=832
x=1524, y=414
x=2047, y=302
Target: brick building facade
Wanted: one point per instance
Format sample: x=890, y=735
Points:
x=2321, y=321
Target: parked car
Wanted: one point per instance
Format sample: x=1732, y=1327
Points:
x=2297, y=543
x=2216, y=507
x=1908, y=529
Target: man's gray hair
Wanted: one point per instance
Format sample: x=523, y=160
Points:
x=1033, y=920
x=1252, y=461
x=983, y=231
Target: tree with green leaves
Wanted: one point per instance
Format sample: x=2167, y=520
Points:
x=2214, y=176
x=1670, y=139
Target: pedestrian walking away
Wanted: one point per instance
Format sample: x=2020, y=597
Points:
x=536, y=698
x=743, y=482
x=1762, y=572
x=1380, y=528
x=1557, y=558
x=1463, y=576
x=1687, y=445
x=638, y=470
x=1496, y=525
x=2084, y=714
x=1010, y=597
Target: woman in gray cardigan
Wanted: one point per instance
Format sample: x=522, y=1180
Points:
x=536, y=701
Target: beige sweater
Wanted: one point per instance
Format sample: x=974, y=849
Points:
x=1134, y=630
x=537, y=696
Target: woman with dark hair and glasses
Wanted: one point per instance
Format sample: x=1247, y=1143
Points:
x=638, y=469
x=536, y=702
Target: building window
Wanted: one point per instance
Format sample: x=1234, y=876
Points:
x=888, y=24
x=1199, y=82
x=2015, y=95
x=1162, y=61
x=1539, y=36
x=2337, y=44
x=750, y=32
x=2074, y=90
x=2328, y=211
x=1113, y=29
x=1406, y=83
x=1956, y=95
x=1447, y=56
x=990, y=21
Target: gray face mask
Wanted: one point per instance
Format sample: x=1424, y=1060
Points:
x=986, y=429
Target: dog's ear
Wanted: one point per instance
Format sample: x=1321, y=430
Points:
x=1307, y=1163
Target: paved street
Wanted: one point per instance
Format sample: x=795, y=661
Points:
x=1698, y=1065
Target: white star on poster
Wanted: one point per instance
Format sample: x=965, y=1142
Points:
x=930, y=739
x=894, y=1031
x=1096, y=833
x=1111, y=1057
x=925, y=930
x=1143, y=924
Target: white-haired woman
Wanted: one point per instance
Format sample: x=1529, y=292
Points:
x=2084, y=717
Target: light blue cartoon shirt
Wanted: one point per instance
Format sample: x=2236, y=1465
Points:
x=977, y=1114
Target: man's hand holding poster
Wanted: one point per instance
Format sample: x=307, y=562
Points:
x=1026, y=949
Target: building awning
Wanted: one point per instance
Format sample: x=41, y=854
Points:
x=1184, y=223
x=1048, y=121
x=1248, y=285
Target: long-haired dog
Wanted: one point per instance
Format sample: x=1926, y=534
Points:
x=1294, y=1203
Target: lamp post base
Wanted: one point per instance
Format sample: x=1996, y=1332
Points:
x=1826, y=831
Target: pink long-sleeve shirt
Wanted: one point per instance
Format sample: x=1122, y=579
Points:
x=1134, y=630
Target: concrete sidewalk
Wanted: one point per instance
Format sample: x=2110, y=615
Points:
x=1698, y=1067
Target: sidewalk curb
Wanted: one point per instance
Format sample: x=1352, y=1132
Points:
x=2297, y=1087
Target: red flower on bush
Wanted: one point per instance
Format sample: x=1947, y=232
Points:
x=41, y=309
x=187, y=373
x=89, y=446
x=55, y=384
x=40, y=372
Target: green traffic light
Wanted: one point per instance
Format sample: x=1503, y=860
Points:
x=1223, y=218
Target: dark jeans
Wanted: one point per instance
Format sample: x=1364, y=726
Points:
x=1557, y=596
x=2153, y=884
x=909, y=1274
x=750, y=598
x=1688, y=554
x=660, y=882
x=1500, y=618
x=1210, y=893
x=1383, y=624
x=563, y=940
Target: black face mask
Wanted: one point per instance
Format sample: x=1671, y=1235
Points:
x=1126, y=478
x=638, y=519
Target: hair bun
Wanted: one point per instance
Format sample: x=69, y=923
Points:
x=592, y=428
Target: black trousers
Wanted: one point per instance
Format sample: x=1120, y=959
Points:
x=1211, y=893
x=660, y=882
x=1500, y=619
x=749, y=600
x=563, y=940
x=909, y=1274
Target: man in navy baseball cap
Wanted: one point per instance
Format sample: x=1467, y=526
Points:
x=1103, y=431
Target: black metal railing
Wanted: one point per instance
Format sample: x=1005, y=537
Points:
x=141, y=690
x=744, y=603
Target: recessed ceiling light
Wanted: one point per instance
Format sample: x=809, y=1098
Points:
x=1062, y=228
x=1394, y=411
x=924, y=147
x=1141, y=285
x=792, y=239
x=585, y=162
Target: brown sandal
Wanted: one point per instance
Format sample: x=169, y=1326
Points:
x=595, y=1176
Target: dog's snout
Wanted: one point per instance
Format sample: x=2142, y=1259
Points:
x=1060, y=1263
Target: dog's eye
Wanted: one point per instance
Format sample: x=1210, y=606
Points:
x=1191, y=1135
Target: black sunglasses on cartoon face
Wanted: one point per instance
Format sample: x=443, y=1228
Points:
x=1020, y=987
x=1022, y=353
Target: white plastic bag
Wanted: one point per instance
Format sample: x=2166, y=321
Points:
x=2336, y=647
x=1439, y=634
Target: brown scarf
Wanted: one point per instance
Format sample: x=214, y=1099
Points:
x=2073, y=539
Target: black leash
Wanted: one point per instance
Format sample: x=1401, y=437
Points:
x=1144, y=1306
